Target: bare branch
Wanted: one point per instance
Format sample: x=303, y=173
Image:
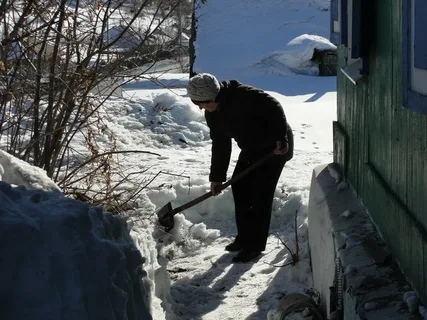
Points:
x=104, y=154
x=52, y=58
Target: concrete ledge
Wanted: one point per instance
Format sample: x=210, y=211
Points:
x=353, y=271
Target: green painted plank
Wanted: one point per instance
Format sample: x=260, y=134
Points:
x=404, y=237
x=424, y=288
x=400, y=124
x=417, y=257
x=382, y=86
x=423, y=188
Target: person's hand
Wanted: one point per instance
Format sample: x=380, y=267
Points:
x=214, y=186
x=281, y=148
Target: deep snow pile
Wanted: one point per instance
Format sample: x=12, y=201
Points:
x=61, y=259
x=77, y=260
x=165, y=118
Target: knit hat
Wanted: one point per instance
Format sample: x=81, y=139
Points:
x=203, y=87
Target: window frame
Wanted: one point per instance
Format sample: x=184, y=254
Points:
x=335, y=35
x=411, y=99
x=352, y=24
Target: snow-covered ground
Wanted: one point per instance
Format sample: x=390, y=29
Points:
x=201, y=282
x=233, y=40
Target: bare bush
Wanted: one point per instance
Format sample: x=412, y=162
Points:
x=60, y=62
x=294, y=253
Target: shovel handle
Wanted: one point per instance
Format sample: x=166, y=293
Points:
x=234, y=179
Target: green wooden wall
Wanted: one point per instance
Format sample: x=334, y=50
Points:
x=386, y=157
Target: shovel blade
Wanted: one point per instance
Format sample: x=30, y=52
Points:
x=165, y=216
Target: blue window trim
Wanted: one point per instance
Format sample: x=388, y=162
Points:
x=356, y=30
x=411, y=99
x=339, y=38
x=420, y=43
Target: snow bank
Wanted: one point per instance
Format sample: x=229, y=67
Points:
x=18, y=172
x=61, y=259
x=296, y=58
x=220, y=207
x=166, y=120
x=157, y=276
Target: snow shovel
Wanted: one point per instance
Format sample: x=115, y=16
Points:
x=166, y=213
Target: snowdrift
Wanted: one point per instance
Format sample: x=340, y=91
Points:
x=297, y=56
x=61, y=259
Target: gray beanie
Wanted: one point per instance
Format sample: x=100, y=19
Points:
x=203, y=87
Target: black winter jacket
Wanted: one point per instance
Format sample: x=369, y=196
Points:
x=253, y=118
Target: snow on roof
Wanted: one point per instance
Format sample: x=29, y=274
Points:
x=296, y=57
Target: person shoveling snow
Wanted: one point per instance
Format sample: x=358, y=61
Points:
x=258, y=124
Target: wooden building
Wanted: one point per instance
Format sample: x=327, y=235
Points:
x=380, y=136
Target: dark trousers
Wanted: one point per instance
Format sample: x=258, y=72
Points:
x=253, y=199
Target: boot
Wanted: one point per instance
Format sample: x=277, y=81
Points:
x=234, y=246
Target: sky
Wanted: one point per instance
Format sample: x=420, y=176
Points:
x=265, y=43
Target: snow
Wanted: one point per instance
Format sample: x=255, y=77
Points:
x=297, y=57
x=346, y=214
x=1, y=172
x=228, y=50
x=413, y=303
x=188, y=273
x=19, y=172
x=61, y=259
